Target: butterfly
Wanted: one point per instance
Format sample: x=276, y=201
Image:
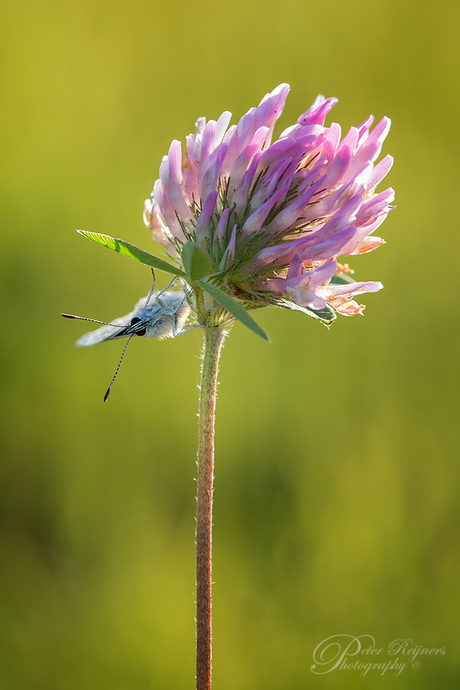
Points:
x=159, y=315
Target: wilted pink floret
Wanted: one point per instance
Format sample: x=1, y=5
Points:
x=274, y=217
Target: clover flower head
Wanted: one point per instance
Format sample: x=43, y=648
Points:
x=248, y=222
x=274, y=218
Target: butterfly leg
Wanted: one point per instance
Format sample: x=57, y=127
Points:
x=175, y=332
x=173, y=281
x=192, y=328
x=149, y=296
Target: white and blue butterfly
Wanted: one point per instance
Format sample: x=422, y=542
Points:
x=160, y=315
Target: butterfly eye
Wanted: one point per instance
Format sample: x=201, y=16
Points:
x=142, y=331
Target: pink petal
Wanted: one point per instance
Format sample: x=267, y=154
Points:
x=229, y=253
x=166, y=210
x=222, y=225
x=241, y=196
x=265, y=115
x=328, y=291
x=203, y=230
x=317, y=276
x=368, y=244
x=369, y=148
x=270, y=181
x=289, y=214
x=283, y=148
x=316, y=113
x=244, y=159
x=208, y=141
x=339, y=296
x=210, y=172
x=380, y=171
x=171, y=177
x=159, y=231
x=257, y=219
x=221, y=126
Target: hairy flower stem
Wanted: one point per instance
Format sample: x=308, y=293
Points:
x=213, y=341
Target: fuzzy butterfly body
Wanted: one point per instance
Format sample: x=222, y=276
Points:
x=159, y=315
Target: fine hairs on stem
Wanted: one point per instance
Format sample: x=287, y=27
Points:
x=212, y=347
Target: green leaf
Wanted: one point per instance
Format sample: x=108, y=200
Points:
x=132, y=251
x=341, y=279
x=326, y=315
x=195, y=262
x=234, y=307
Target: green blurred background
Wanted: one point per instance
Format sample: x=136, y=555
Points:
x=336, y=502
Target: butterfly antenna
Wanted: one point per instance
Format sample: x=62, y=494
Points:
x=117, y=370
x=83, y=318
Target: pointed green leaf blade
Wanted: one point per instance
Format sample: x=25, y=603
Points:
x=133, y=252
x=234, y=307
x=326, y=315
x=341, y=279
x=195, y=262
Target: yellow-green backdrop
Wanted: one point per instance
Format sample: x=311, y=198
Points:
x=336, y=501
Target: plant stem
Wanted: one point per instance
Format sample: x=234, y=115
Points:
x=213, y=341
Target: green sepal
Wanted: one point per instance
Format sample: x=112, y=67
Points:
x=133, y=252
x=235, y=308
x=195, y=262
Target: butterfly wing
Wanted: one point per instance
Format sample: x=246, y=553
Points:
x=105, y=332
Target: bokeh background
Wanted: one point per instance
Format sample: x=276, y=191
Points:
x=336, y=502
